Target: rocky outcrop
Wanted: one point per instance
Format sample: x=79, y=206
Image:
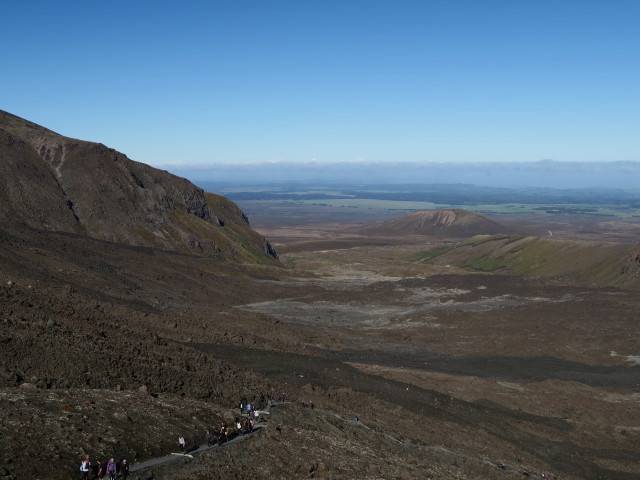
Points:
x=59, y=183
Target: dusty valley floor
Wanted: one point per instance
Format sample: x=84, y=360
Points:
x=450, y=372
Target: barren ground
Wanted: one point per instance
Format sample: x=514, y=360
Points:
x=451, y=372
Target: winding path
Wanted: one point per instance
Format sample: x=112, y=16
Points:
x=189, y=453
x=261, y=424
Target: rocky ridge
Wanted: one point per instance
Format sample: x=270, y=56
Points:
x=58, y=183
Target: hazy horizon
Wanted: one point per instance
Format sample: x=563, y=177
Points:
x=545, y=173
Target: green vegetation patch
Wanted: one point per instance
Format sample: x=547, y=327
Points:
x=372, y=204
x=485, y=263
x=599, y=263
x=424, y=257
x=481, y=239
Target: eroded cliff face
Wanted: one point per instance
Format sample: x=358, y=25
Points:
x=29, y=191
x=59, y=183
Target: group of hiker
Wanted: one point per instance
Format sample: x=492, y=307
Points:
x=113, y=470
x=223, y=432
x=110, y=470
x=241, y=426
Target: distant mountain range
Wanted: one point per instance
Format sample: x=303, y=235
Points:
x=542, y=174
x=56, y=183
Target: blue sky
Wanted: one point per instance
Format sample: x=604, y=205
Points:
x=335, y=81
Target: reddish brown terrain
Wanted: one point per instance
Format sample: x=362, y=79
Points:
x=114, y=348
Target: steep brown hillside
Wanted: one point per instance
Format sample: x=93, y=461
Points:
x=54, y=182
x=454, y=222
